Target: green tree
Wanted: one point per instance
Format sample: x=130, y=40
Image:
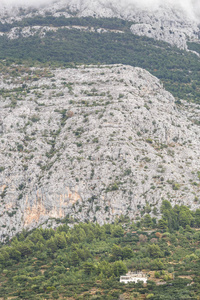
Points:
x=75, y=258
x=166, y=205
x=24, y=248
x=104, y=269
x=169, y=215
x=116, y=253
x=119, y=268
x=117, y=231
x=52, y=244
x=127, y=253
x=88, y=268
x=197, y=218
x=147, y=208
x=154, y=251
x=37, y=237
x=47, y=233
x=147, y=221
x=162, y=224
x=15, y=254
x=185, y=216
x=60, y=241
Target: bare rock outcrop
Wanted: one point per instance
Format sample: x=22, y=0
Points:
x=92, y=142
x=167, y=22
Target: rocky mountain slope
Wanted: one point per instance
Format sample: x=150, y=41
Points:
x=168, y=22
x=92, y=143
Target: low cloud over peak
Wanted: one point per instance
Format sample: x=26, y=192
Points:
x=24, y=2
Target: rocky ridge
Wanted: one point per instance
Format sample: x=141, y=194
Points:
x=165, y=22
x=28, y=31
x=92, y=143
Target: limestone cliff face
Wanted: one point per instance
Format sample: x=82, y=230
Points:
x=168, y=22
x=36, y=210
x=92, y=143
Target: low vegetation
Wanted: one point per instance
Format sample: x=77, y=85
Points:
x=178, y=70
x=85, y=261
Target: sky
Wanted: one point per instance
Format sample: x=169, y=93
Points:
x=192, y=7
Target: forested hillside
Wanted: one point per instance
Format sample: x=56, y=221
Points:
x=178, y=69
x=85, y=261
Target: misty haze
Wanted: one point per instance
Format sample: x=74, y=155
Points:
x=191, y=7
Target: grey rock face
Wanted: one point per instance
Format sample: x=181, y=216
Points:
x=167, y=22
x=93, y=143
x=28, y=31
x=170, y=27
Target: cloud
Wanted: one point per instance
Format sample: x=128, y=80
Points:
x=190, y=7
x=26, y=3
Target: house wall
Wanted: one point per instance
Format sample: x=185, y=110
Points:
x=135, y=280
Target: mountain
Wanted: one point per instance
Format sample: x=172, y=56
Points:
x=92, y=143
x=86, y=132
x=167, y=22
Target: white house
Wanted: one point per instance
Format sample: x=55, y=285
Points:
x=133, y=277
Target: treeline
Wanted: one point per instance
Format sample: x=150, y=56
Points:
x=73, y=261
x=24, y=244
x=178, y=216
x=51, y=240
x=173, y=218
x=107, y=23
x=178, y=70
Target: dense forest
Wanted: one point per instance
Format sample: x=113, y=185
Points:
x=109, y=23
x=194, y=46
x=85, y=261
x=179, y=70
